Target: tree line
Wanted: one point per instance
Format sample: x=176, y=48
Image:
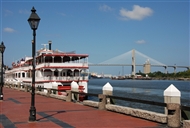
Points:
x=183, y=74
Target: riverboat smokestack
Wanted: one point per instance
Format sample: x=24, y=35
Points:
x=50, y=44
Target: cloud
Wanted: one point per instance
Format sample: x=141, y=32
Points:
x=9, y=30
x=24, y=12
x=8, y=12
x=140, y=41
x=62, y=14
x=138, y=13
x=105, y=8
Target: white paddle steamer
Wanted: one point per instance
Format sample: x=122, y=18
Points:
x=52, y=66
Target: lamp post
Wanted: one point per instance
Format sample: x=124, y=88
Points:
x=33, y=20
x=2, y=49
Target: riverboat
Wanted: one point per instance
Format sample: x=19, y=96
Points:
x=51, y=66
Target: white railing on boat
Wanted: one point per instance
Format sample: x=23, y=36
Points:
x=49, y=78
x=62, y=65
x=79, y=65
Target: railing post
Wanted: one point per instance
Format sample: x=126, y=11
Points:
x=172, y=95
x=173, y=115
x=108, y=90
x=48, y=92
x=102, y=102
x=69, y=96
x=26, y=88
x=74, y=87
x=56, y=88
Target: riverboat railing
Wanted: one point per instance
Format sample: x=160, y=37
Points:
x=58, y=78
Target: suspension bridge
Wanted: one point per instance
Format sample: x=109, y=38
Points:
x=135, y=58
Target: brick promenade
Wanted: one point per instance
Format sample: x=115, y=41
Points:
x=54, y=113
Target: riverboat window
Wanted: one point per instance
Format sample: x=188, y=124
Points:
x=57, y=59
x=56, y=73
x=69, y=73
x=23, y=74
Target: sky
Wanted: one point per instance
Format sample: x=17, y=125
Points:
x=103, y=29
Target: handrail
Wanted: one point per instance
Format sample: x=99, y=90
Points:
x=139, y=101
x=86, y=94
x=187, y=108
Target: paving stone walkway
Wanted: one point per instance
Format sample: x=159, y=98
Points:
x=55, y=113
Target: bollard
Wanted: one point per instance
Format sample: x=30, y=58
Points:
x=55, y=87
x=69, y=96
x=172, y=95
x=108, y=90
x=55, y=90
x=48, y=92
x=26, y=88
x=173, y=115
x=74, y=87
x=102, y=102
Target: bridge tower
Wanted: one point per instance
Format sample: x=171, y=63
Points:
x=133, y=62
x=147, y=67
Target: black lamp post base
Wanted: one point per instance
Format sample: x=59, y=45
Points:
x=1, y=92
x=1, y=97
x=32, y=114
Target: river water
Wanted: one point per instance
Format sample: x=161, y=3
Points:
x=151, y=90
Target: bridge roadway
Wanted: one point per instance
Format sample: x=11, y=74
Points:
x=165, y=66
x=54, y=113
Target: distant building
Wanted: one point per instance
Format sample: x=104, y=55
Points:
x=147, y=67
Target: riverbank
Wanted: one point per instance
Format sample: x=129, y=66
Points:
x=170, y=78
x=150, y=78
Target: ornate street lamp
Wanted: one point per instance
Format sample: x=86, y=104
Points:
x=2, y=49
x=33, y=20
